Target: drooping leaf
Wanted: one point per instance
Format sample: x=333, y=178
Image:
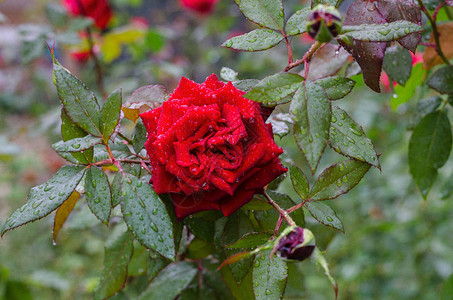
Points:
x=348, y=138
x=319, y=259
x=110, y=114
x=170, y=282
x=430, y=57
x=147, y=217
x=384, y=32
x=296, y=23
x=327, y=61
x=311, y=113
x=77, y=144
x=406, y=92
x=368, y=55
x=269, y=276
x=143, y=99
x=324, y=215
x=256, y=40
x=266, y=13
x=398, y=64
x=272, y=89
x=78, y=101
x=45, y=198
x=442, y=80
x=116, y=259
x=429, y=148
x=336, y=87
x=408, y=10
x=99, y=196
x=251, y=240
x=338, y=179
x=228, y=74
x=70, y=131
x=300, y=182
x=63, y=212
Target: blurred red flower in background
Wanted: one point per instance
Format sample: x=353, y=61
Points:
x=201, y=6
x=98, y=10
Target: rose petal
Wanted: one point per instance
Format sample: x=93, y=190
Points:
x=187, y=205
x=267, y=173
x=213, y=83
x=229, y=205
x=164, y=182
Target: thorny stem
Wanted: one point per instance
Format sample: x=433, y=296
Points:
x=306, y=59
x=282, y=212
x=97, y=64
x=435, y=31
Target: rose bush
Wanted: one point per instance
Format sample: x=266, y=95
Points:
x=98, y=10
x=210, y=148
x=201, y=6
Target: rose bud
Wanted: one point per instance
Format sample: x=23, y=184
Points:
x=324, y=23
x=298, y=244
x=209, y=148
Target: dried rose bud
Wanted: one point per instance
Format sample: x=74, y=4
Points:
x=324, y=23
x=298, y=244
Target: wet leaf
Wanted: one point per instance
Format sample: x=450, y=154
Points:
x=154, y=264
x=77, y=144
x=338, y=179
x=139, y=137
x=116, y=259
x=430, y=56
x=199, y=249
x=269, y=276
x=398, y=64
x=310, y=110
x=47, y=197
x=267, y=13
x=143, y=99
x=336, y=87
x=97, y=190
x=137, y=264
x=296, y=23
x=251, y=240
x=300, y=182
x=147, y=217
x=319, y=259
x=348, y=138
x=243, y=290
x=256, y=40
x=117, y=195
x=235, y=258
x=79, y=102
x=170, y=282
x=385, y=32
x=327, y=61
x=442, y=80
x=201, y=228
x=228, y=74
x=69, y=131
x=324, y=215
x=110, y=114
x=429, y=148
x=63, y=212
x=274, y=88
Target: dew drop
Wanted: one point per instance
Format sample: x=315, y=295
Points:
x=268, y=292
x=329, y=218
x=48, y=188
x=154, y=227
x=36, y=204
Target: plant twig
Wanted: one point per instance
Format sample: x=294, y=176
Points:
x=307, y=57
x=282, y=212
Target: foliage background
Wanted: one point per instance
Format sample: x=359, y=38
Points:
x=396, y=246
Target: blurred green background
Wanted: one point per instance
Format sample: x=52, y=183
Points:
x=395, y=246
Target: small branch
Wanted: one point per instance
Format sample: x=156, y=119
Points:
x=200, y=277
x=289, y=50
x=282, y=212
x=435, y=31
x=296, y=207
x=307, y=57
x=436, y=11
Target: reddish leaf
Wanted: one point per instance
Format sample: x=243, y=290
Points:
x=63, y=212
x=407, y=10
x=369, y=55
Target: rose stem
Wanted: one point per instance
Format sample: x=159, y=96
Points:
x=308, y=55
x=97, y=65
x=282, y=212
x=435, y=31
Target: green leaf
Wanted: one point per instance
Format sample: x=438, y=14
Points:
x=243, y=290
x=274, y=88
x=269, y=276
x=336, y=87
x=446, y=289
x=56, y=14
x=338, y=179
x=429, y=148
x=228, y=74
x=116, y=259
x=143, y=99
x=77, y=144
x=300, y=182
x=137, y=264
x=398, y=64
x=406, y=92
x=201, y=228
x=97, y=190
x=154, y=264
x=110, y=114
x=442, y=80
x=256, y=40
x=79, y=102
x=267, y=13
x=245, y=84
x=147, y=217
x=170, y=282
x=139, y=137
x=324, y=215
x=349, y=139
x=117, y=195
x=199, y=249
x=379, y=32
x=70, y=131
x=296, y=23
x=47, y=197
x=311, y=113
x=319, y=259
x=251, y=240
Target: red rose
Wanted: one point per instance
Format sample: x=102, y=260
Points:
x=201, y=6
x=210, y=148
x=98, y=10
